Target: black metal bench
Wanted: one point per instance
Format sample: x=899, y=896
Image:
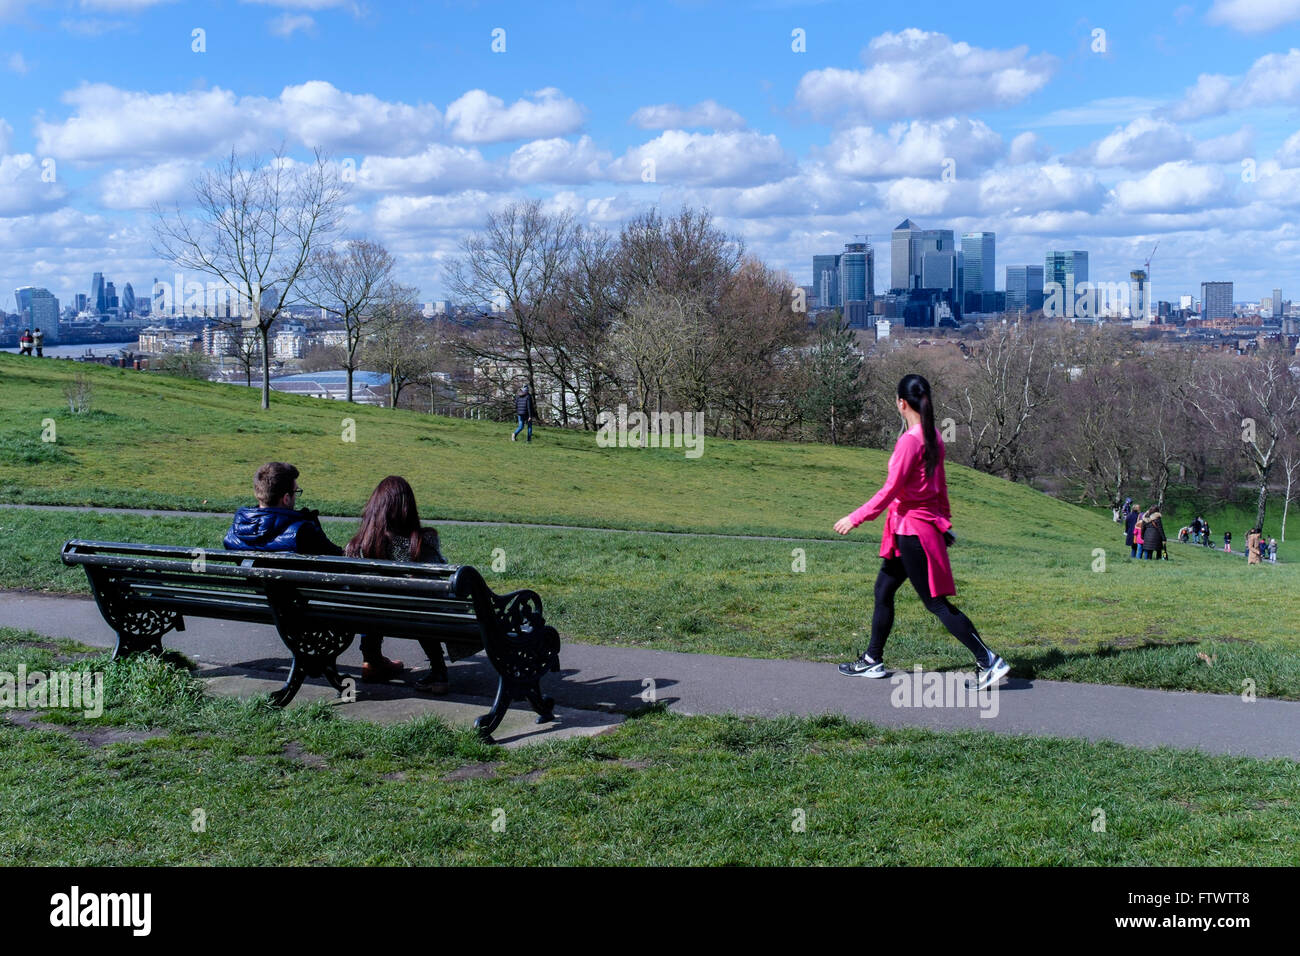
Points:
x=318, y=604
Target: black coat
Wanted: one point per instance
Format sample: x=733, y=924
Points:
x=1153, y=535
x=525, y=406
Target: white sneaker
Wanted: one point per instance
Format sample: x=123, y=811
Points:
x=864, y=666
x=986, y=677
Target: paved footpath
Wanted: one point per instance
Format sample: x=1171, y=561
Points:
x=596, y=678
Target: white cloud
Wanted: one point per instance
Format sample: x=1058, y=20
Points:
x=438, y=169
x=108, y=123
x=478, y=117
x=1277, y=186
x=16, y=63
x=319, y=114
x=722, y=159
x=1031, y=189
x=912, y=148
x=924, y=197
x=708, y=113
x=1254, y=16
x=286, y=24
x=1142, y=144
x=916, y=73
x=1272, y=80
x=142, y=188
x=465, y=210
x=23, y=190
x=1026, y=148
x=1229, y=148
x=557, y=161
x=1288, y=153
x=1172, y=187
x=6, y=135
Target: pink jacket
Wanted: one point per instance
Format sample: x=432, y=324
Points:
x=917, y=504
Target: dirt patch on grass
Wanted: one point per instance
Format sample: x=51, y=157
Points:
x=473, y=771
x=293, y=751
x=99, y=737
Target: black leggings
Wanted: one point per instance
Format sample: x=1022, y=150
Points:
x=913, y=565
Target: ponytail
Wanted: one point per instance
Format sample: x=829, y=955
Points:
x=915, y=390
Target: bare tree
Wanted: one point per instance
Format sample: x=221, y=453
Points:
x=515, y=267
x=574, y=335
x=347, y=283
x=1256, y=399
x=399, y=342
x=254, y=228
x=1011, y=381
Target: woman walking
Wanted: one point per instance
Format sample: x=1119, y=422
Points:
x=914, y=540
x=391, y=531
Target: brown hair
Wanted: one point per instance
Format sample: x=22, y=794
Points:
x=390, y=511
x=274, y=480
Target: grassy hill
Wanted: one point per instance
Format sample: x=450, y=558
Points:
x=1026, y=564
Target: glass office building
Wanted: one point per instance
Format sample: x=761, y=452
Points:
x=826, y=281
x=1024, y=288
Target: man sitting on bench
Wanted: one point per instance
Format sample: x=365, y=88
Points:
x=275, y=525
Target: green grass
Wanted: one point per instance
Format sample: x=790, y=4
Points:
x=170, y=443
x=1127, y=625
x=1024, y=564
x=303, y=786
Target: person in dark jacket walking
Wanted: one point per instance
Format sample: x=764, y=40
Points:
x=526, y=412
x=1130, y=522
x=276, y=525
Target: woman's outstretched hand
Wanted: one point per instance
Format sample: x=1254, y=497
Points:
x=844, y=525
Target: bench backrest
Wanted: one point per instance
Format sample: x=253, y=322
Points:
x=389, y=597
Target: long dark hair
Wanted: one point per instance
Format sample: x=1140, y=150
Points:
x=390, y=511
x=915, y=390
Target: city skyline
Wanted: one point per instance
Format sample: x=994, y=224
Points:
x=1107, y=132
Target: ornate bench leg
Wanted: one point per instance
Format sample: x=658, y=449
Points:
x=492, y=719
x=128, y=644
x=281, y=697
x=544, y=706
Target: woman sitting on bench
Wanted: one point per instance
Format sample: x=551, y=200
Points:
x=391, y=531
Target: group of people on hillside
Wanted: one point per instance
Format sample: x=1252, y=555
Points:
x=1144, y=534
x=390, y=531
x=30, y=340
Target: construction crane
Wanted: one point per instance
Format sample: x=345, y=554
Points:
x=1146, y=282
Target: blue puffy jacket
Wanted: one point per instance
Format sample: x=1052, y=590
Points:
x=278, y=529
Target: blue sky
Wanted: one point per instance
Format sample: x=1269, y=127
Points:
x=1179, y=124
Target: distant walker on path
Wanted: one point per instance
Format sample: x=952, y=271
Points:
x=526, y=412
